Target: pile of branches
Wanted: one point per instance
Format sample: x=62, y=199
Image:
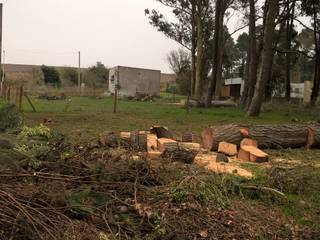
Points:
x=52, y=97
x=142, y=97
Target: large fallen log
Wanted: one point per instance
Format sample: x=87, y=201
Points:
x=267, y=136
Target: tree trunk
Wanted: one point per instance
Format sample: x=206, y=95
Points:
x=216, y=48
x=199, y=59
x=193, y=52
x=253, y=64
x=316, y=81
x=266, y=57
x=267, y=136
x=220, y=56
x=290, y=18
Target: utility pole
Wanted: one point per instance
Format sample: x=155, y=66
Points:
x=1, y=66
x=79, y=71
x=3, y=63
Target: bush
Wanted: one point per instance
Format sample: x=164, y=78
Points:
x=51, y=76
x=10, y=117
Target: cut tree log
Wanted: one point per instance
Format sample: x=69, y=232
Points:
x=190, y=146
x=179, y=155
x=249, y=142
x=166, y=143
x=279, y=136
x=228, y=149
x=243, y=155
x=161, y=132
x=152, y=142
x=268, y=136
x=211, y=137
x=252, y=154
x=313, y=137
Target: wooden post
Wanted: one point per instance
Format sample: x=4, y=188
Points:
x=20, y=98
x=115, y=100
x=188, y=104
x=79, y=71
x=4, y=91
x=17, y=96
x=9, y=94
x=29, y=101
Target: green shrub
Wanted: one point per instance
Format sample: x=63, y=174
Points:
x=10, y=117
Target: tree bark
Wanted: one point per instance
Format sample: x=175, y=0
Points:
x=290, y=18
x=253, y=64
x=199, y=59
x=220, y=56
x=215, y=62
x=193, y=51
x=267, y=136
x=316, y=81
x=266, y=58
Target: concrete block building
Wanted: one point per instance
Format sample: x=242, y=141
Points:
x=131, y=81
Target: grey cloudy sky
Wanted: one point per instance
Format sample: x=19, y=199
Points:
x=115, y=32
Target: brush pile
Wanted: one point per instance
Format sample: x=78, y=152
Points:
x=59, y=190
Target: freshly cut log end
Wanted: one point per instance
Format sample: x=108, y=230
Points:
x=243, y=155
x=211, y=137
x=207, y=138
x=249, y=142
x=252, y=154
x=152, y=142
x=228, y=149
x=313, y=137
x=244, y=132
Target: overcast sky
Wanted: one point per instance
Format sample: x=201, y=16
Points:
x=115, y=32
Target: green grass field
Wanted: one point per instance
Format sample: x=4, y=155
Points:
x=83, y=117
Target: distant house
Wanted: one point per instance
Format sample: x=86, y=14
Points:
x=22, y=72
x=167, y=79
x=233, y=87
x=131, y=81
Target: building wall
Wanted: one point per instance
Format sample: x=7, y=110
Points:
x=134, y=80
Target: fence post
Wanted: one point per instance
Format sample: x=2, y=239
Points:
x=20, y=98
x=9, y=94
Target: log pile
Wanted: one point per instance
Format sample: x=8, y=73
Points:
x=158, y=142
